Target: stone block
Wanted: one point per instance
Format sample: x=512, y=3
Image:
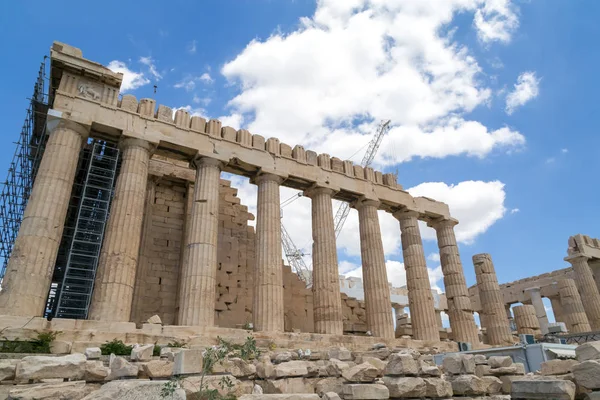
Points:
x=468, y=385
x=340, y=353
x=60, y=347
x=63, y=390
x=134, y=390
x=236, y=367
x=283, y=356
x=329, y=385
x=93, y=353
x=95, y=371
x=265, y=370
x=142, y=353
x=335, y=367
x=405, y=386
x=155, y=319
x=500, y=361
x=514, y=369
x=44, y=367
x=188, y=361
x=279, y=397
x=401, y=364
x=494, y=385
x=7, y=369
x=121, y=368
x=587, y=374
x=158, y=369
x=588, y=351
x=354, y=391
x=291, y=369
x=543, y=389
x=376, y=362
x=437, y=388
x=456, y=364
x=557, y=367
x=331, y=396
x=287, y=385
x=364, y=372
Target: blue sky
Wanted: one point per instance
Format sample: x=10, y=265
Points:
x=492, y=103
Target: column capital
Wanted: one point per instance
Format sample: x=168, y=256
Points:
x=56, y=121
x=481, y=257
x=576, y=257
x=441, y=223
x=265, y=176
x=362, y=202
x=314, y=190
x=532, y=289
x=208, y=161
x=126, y=142
x=405, y=213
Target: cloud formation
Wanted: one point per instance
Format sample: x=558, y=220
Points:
x=131, y=79
x=526, y=89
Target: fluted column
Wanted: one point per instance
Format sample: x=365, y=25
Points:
x=540, y=309
x=377, y=291
x=460, y=311
x=327, y=302
x=492, y=304
x=31, y=265
x=509, y=315
x=526, y=320
x=115, y=277
x=199, y=272
x=420, y=299
x=587, y=289
x=573, y=310
x=557, y=309
x=268, y=313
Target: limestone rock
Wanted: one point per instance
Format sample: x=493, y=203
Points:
x=364, y=372
x=191, y=385
x=121, y=368
x=500, y=361
x=75, y=390
x=340, y=353
x=335, y=367
x=133, y=390
x=588, y=351
x=357, y=391
x=142, y=353
x=42, y=367
x=188, y=361
x=437, y=388
x=236, y=367
x=557, y=367
x=155, y=319
x=428, y=369
x=405, y=386
x=494, y=385
x=95, y=371
x=456, y=364
x=468, y=385
x=256, y=389
x=482, y=370
x=479, y=359
x=7, y=369
x=401, y=364
x=514, y=369
x=507, y=380
x=158, y=368
x=291, y=369
x=329, y=385
x=331, y=396
x=587, y=374
x=284, y=356
x=265, y=370
x=93, y=353
x=287, y=385
x=382, y=354
x=543, y=389
x=169, y=352
x=376, y=362
x=279, y=397
x=60, y=347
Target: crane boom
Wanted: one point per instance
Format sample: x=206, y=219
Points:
x=294, y=257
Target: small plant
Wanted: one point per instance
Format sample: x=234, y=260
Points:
x=177, y=343
x=156, y=350
x=116, y=347
x=41, y=344
x=272, y=346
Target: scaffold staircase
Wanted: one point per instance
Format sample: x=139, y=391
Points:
x=75, y=291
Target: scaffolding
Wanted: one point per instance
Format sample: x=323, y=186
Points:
x=23, y=168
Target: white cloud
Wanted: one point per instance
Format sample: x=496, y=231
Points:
x=477, y=205
x=131, y=79
x=149, y=62
x=194, y=111
x=514, y=210
x=206, y=78
x=435, y=257
x=526, y=88
x=189, y=82
x=564, y=151
x=368, y=60
x=191, y=48
x=202, y=100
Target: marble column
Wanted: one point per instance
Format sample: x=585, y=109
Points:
x=509, y=315
x=115, y=277
x=377, y=291
x=327, y=303
x=540, y=309
x=557, y=309
x=438, y=318
x=572, y=306
x=199, y=271
x=460, y=310
x=587, y=289
x=420, y=298
x=268, y=312
x=526, y=320
x=492, y=304
x=31, y=265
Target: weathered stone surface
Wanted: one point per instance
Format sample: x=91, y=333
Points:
x=482, y=370
x=287, y=385
x=430, y=370
x=142, y=353
x=507, y=380
x=42, y=367
x=543, y=389
x=376, y=362
x=456, y=364
x=329, y=385
x=155, y=319
x=191, y=385
x=236, y=367
x=7, y=369
x=331, y=396
x=437, y=388
x=401, y=364
x=364, y=372
x=340, y=353
x=479, y=359
x=500, y=361
x=158, y=368
x=382, y=354
x=188, y=361
x=95, y=371
x=121, y=368
x=291, y=369
x=467, y=385
x=514, y=369
x=405, y=386
x=64, y=391
x=336, y=367
x=93, y=353
x=494, y=385
x=279, y=397
x=557, y=367
x=284, y=356
x=133, y=390
x=587, y=374
x=169, y=352
x=588, y=351
x=60, y=347
x=354, y=391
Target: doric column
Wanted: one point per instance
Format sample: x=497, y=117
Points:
x=438, y=318
x=526, y=320
x=31, y=265
x=115, y=277
x=573, y=310
x=460, y=311
x=377, y=291
x=420, y=299
x=199, y=271
x=540, y=309
x=268, y=314
x=587, y=289
x=509, y=315
x=492, y=304
x=557, y=309
x=327, y=302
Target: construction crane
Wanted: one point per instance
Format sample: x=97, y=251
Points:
x=292, y=253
